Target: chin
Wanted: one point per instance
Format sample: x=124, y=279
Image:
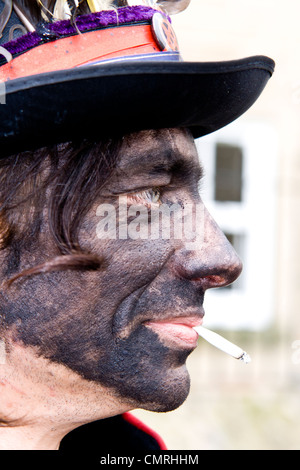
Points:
x=147, y=374
x=165, y=393
x=170, y=396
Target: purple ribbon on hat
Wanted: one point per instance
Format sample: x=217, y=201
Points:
x=84, y=23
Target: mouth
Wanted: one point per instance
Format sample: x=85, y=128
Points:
x=177, y=332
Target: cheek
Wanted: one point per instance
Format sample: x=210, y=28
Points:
x=67, y=314
x=128, y=264
x=50, y=306
x=69, y=318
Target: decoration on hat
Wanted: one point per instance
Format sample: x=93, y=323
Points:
x=99, y=5
x=30, y=54
x=169, y=6
x=62, y=9
x=164, y=33
x=5, y=15
x=65, y=9
x=32, y=12
x=39, y=16
x=24, y=17
x=172, y=7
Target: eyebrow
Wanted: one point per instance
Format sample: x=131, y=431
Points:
x=163, y=162
x=175, y=163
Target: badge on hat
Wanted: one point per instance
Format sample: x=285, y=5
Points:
x=163, y=33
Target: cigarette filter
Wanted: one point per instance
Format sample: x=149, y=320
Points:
x=223, y=344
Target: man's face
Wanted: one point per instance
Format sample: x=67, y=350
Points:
x=128, y=326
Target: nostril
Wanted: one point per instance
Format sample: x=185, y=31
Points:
x=215, y=280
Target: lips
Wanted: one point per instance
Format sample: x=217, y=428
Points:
x=176, y=332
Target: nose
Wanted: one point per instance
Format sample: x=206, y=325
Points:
x=210, y=260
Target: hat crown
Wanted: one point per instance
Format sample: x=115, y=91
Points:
x=20, y=16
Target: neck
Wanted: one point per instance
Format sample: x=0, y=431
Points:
x=41, y=402
x=32, y=436
x=28, y=421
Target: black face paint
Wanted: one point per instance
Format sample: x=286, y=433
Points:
x=138, y=368
x=94, y=322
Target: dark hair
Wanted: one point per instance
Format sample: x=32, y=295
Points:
x=65, y=179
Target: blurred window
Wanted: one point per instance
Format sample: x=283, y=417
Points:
x=228, y=173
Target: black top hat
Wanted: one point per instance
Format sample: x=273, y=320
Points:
x=111, y=72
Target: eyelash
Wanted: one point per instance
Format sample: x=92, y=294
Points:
x=151, y=196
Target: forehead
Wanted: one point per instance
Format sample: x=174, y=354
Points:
x=155, y=147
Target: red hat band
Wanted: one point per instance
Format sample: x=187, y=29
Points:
x=63, y=48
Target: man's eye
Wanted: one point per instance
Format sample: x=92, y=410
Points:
x=150, y=196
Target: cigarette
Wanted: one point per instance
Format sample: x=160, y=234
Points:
x=223, y=344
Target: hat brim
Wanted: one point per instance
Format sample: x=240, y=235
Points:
x=118, y=98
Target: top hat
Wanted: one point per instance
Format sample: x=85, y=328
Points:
x=74, y=72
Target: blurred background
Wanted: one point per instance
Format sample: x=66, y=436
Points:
x=252, y=188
